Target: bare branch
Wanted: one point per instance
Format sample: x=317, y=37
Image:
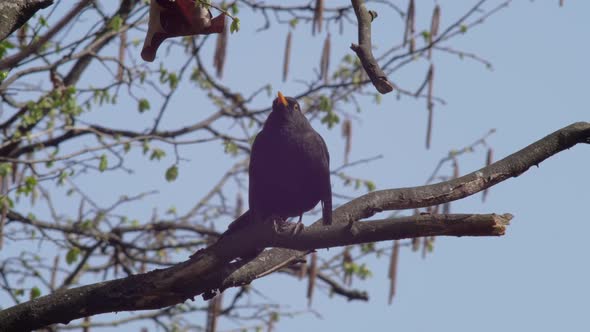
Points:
x=363, y=49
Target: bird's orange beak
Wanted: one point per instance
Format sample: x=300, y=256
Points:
x=282, y=99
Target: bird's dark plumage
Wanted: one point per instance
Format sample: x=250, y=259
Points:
x=289, y=167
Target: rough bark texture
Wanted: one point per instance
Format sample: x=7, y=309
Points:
x=14, y=13
x=212, y=269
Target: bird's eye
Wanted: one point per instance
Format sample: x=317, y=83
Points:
x=296, y=107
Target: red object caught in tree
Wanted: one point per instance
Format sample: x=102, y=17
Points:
x=174, y=18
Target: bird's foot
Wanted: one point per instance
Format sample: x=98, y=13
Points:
x=352, y=227
x=283, y=227
x=298, y=228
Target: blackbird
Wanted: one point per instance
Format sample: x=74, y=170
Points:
x=289, y=169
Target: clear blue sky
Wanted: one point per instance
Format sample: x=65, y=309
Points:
x=534, y=278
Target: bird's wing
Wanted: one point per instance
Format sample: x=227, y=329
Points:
x=255, y=168
x=326, y=196
x=313, y=140
x=325, y=147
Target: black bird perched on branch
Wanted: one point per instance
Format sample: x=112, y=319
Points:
x=289, y=168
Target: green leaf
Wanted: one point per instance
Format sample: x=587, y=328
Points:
x=72, y=255
x=5, y=45
x=157, y=154
x=230, y=147
x=293, y=22
x=378, y=98
x=171, y=210
x=364, y=272
x=3, y=75
x=5, y=169
x=42, y=21
x=235, y=25
x=103, y=164
x=463, y=28
x=143, y=105
x=429, y=246
x=370, y=185
x=61, y=179
x=350, y=267
x=116, y=22
x=367, y=247
x=274, y=316
x=35, y=293
x=5, y=200
x=171, y=173
x=28, y=186
x=146, y=147
x=325, y=104
x=330, y=119
x=234, y=8
x=173, y=80
x=86, y=224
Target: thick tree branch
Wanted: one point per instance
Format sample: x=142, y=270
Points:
x=174, y=285
x=364, y=49
x=13, y=60
x=210, y=269
x=14, y=13
x=318, y=236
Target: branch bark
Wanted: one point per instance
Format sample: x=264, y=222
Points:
x=15, y=13
x=200, y=274
x=364, y=49
x=213, y=269
x=13, y=60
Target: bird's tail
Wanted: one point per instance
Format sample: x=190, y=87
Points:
x=327, y=212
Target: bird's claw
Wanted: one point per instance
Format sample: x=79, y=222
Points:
x=352, y=227
x=282, y=227
x=298, y=228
